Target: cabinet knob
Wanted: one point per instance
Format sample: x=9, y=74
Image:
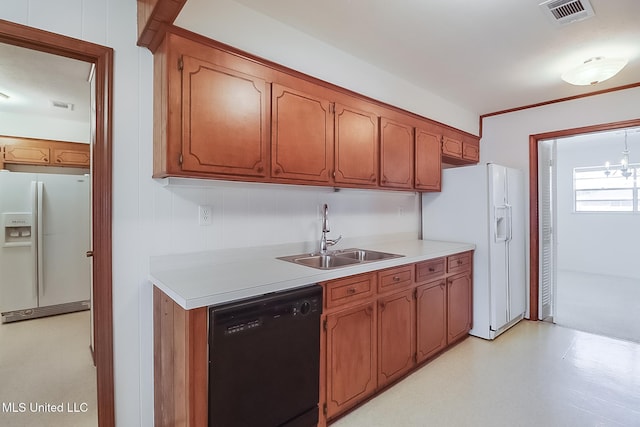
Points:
x=260, y=169
x=396, y=278
x=277, y=171
x=382, y=305
x=459, y=262
x=58, y=160
x=431, y=269
x=351, y=291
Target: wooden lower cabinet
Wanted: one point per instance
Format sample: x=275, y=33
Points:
x=380, y=326
x=396, y=336
x=459, y=294
x=431, y=315
x=351, y=357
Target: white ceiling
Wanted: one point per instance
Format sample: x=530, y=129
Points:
x=34, y=79
x=485, y=56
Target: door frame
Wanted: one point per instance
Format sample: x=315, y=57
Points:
x=102, y=58
x=534, y=246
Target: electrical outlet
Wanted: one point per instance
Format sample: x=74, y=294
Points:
x=205, y=214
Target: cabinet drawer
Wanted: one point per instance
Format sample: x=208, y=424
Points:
x=458, y=263
x=353, y=288
x=395, y=278
x=430, y=269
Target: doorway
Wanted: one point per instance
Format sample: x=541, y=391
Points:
x=588, y=191
x=102, y=59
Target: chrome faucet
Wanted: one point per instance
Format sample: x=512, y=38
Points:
x=324, y=242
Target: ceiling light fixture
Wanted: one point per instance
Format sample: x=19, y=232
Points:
x=594, y=70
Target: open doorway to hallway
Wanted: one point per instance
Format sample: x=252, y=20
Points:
x=589, y=214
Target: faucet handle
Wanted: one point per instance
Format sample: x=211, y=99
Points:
x=331, y=242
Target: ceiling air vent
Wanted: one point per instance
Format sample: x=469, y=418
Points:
x=563, y=12
x=62, y=105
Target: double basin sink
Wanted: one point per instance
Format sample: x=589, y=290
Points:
x=339, y=258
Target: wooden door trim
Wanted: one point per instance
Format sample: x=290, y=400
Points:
x=102, y=57
x=534, y=247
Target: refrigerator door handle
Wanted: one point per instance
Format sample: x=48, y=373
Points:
x=40, y=233
x=509, y=222
x=34, y=237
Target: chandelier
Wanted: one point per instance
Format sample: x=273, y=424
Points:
x=623, y=167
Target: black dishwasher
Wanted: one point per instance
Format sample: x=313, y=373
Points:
x=264, y=356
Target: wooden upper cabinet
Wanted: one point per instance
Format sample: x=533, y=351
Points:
x=27, y=155
x=396, y=154
x=471, y=149
x=452, y=146
x=301, y=136
x=459, y=149
x=428, y=163
x=80, y=157
x=356, y=146
x=224, y=120
x=44, y=152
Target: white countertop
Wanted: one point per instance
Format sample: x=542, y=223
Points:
x=209, y=278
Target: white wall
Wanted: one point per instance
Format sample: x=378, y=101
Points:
x=29, y=126
x=505, y=138
x=598, y=243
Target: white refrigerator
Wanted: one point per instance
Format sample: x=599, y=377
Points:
x=484, y=205
x=44, y=238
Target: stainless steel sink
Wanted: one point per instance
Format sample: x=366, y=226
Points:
x=363, y=255
x=341, y=258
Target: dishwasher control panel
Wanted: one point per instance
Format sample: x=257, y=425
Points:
x=266, y=310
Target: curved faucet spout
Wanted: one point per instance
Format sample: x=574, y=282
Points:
x=324, y=242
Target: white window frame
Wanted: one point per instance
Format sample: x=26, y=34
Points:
x=630, y=184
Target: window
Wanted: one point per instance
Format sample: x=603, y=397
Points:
x=594, y=191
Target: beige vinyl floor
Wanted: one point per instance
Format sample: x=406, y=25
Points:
x=536, y=374
x=46, y=365
x=606, y=305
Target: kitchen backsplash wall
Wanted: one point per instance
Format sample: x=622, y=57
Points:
x=245, y=214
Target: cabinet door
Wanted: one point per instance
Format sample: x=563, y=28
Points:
x=224, y=120
x=452, y=147
x=302, y=136
x=396, y=154
x=396, y=336
x=431, y=315
x=26, y=155
x=458, y=306
x=471, y=151
x=356, y=147
x=351, y=357
x=428, y=160
x=71, y=157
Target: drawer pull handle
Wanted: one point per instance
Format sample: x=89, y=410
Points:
x=351, y=291
x=431, y=269
x=396, y=278
x=459, y=262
